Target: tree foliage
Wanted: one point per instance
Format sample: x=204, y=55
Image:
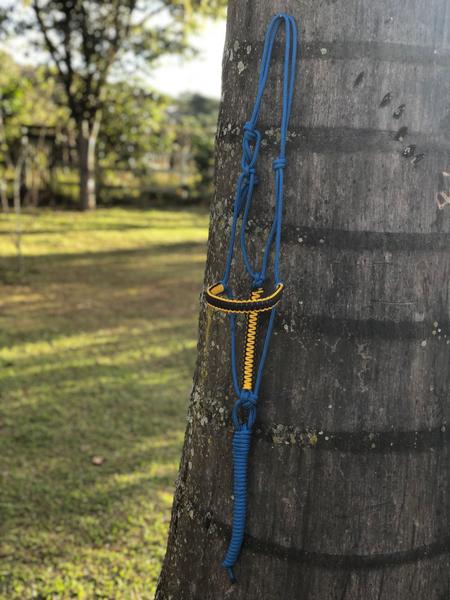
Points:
x=195, y=120
x=86, y=38
x=138, y=125
x=28, y=97
x=89, y=40
x=134, y=125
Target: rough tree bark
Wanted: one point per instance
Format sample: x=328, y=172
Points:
x=349, y=491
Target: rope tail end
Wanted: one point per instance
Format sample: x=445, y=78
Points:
x=231, y=574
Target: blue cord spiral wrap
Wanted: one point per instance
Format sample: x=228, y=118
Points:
x=248, y=179
x=241, y=447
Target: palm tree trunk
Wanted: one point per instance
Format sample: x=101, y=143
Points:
x=349, y=487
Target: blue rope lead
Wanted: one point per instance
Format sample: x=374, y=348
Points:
x=241, y=447
x=219, y=295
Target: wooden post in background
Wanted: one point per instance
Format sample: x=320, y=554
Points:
x=349, y=489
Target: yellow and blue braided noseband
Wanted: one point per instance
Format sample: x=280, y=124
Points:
x=216, y=298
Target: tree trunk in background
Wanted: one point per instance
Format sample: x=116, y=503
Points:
x=87, y=140
x=349, y=482
x=4, y=196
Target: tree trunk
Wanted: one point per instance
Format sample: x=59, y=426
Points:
x=349, y=487
x=4, y=196
x=18, y=200
x=87, y=140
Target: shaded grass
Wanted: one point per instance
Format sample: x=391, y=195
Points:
x=96, y=359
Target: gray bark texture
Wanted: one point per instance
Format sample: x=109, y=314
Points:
x=87, y=140
x=349, y=483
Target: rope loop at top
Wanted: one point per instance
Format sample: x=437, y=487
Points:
x=251, y=145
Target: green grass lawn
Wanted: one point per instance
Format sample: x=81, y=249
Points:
x=97, y=347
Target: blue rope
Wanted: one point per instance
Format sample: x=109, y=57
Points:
x=247, y=180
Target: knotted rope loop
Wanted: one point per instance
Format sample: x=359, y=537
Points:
x=251, y=134
x=247, y=400
x=251, y=143
x=279, y=163
x=258, y=280
x=248, y=170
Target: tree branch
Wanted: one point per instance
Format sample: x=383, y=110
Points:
x=65, y=77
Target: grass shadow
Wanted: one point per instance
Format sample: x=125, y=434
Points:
x=96, y=360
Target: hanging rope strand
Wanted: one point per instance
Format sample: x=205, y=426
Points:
x=219, y=295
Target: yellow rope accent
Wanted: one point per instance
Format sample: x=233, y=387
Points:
x=250, y=343
x=217, y=289
x=244, y=312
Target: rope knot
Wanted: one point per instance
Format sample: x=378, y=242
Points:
x=247, y=399
x=250, y=133
x=258, y=280
x=248, y=170
x=279, y=163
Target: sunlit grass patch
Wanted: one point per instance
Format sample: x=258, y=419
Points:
x=96, y=360
x=47, y=232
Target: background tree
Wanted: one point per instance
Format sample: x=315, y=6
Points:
x=134, y=125
x=28, y=99
x=349, y=491
x=87, y=39
x=195, y=119
x=141, y=129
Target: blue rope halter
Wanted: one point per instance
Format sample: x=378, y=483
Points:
x=219, y=295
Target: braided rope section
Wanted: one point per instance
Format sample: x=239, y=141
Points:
x=250, y=343
x=241, y=447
